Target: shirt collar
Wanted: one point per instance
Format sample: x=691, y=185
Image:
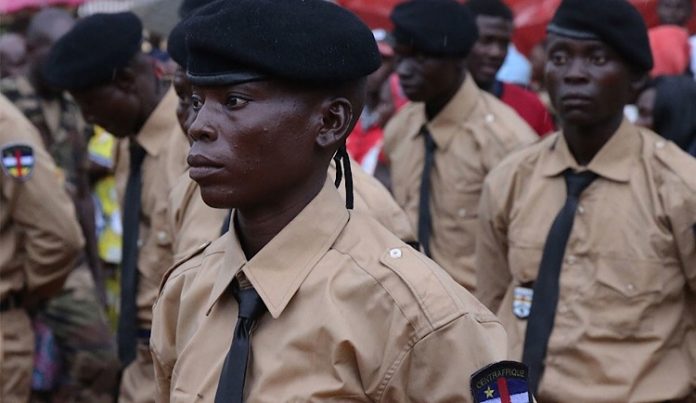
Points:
x=614, y=161
x=278, y=270
x=446, y=124
x=160, y=125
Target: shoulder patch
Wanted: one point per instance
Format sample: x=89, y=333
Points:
x=501, y=382
x=17, y=161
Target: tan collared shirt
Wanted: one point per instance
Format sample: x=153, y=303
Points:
x=40, y=238
x=354, y=314
x=472, y=133
x=192, y=222
x=372, y=198
x=166, y=148
x=630, y=264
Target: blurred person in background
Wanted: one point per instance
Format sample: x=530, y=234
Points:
x=84, y=366
x=13, y=55
x=495, y=27
x=669, y=44
x=442, y=144
x=668, y=107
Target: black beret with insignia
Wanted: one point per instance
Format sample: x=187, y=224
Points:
x=315, y=41
x=436, y=27
x=93, y=50
x=614, y=22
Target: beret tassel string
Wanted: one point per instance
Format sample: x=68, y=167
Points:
x=343, y=165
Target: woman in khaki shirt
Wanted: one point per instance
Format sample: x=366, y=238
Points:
x=341, y=308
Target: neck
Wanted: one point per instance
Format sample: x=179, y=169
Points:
x=150, y=100
x=585, y=141
x=437, y=104
x=256, y=226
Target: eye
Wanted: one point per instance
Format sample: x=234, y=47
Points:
x=598, y=59
x=196, y=103
x=235, y=102
x=558, y=58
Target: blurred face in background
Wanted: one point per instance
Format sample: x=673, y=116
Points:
x=490, y=50
x=674, y=12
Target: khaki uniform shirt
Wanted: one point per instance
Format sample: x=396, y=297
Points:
x=472, y=133
x=620, y=332
x=192, y=221
x=40, y=238
x=354, y=314
x=164, y=163
x=372, y=198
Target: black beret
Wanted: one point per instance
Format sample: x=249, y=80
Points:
x=437, y=27
x=316, y=41
x=176, y=45
x=614, y=22
x=93, y=50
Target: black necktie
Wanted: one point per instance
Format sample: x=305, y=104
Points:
x=424, y=221
x=127, y=321
x=231, y=386
x=545, y=297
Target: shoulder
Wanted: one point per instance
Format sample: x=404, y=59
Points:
x=675, y=164
x=424, y=293
x=520, y=163
x=191, y=262
x=495, y=120
x=14, y=126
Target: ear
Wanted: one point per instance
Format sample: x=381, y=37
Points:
x=336, y=122
x=125, y=78
x=638, y=83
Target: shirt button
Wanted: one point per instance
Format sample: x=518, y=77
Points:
x=140, y=243
x=462, y=212
x=395, y=253
x=161, y=236
x=581, y=210
x=490, y=118
x=571, y=259
x=630, y=287
x=660, y=144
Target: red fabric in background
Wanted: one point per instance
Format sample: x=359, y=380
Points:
x=670, y=49
x=528, y=105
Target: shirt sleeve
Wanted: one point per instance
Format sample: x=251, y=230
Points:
x=438, y=367
x=45, y=214
x=492, y=271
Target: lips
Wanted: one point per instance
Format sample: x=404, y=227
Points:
x=202, y=167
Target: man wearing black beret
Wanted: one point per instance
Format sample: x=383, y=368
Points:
x=302, y=299
x=587, y=248
x=443, y=143
x=99, y=62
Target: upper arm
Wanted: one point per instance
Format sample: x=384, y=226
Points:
x=437, y=368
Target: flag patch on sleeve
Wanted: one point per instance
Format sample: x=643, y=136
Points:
x=18, y=161
x=502, y=382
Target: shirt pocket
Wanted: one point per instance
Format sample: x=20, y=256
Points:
x=622, y=298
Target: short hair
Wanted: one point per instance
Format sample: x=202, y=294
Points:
x=490, y=8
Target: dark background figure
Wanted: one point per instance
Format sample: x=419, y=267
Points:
x=668, y=107
x=13, y=54
x=495, y=26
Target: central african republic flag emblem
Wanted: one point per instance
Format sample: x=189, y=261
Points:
x=18, y=161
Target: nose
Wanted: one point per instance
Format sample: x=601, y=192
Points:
x=404, y=67
x=576, y=71
x=200, y=128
